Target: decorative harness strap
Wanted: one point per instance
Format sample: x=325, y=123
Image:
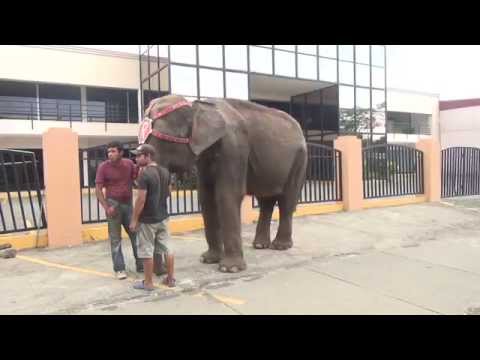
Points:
x=146, y=128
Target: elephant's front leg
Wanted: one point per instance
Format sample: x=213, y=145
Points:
x=229, y=205
x=212, y=226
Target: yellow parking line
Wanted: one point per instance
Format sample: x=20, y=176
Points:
x=224, y=299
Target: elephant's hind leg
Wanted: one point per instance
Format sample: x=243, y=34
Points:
x=283, y=240
x=262, y=234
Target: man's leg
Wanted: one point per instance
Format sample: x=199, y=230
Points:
x=126, y=218
x=115, y=237
x=163, y=244
x=145, y=245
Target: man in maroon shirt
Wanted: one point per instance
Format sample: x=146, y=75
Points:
x=116, y=175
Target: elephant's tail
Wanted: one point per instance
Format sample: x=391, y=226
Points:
x=296, y=177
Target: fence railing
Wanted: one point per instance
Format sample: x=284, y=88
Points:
x=460, y=171
x=183, y=199
x=323, y=181
x=392, y=170
x=71, y=111
x=21, y=203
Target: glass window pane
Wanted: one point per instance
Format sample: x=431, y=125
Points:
x=328, y=51
x=327, y=69
x=62, y=102
x=18, y=100
x=210, y=55
x=378, y=55
x=346, y=103
x=346, y=72
x=183, y=54
x=237, y=85
x=346, y=97
x=307, y=49
x=362, y=75
x=307, y=67
x=378, y=111
x=362, y=54
x=345, y=52
x=378, y=77
x=211, y=83
x=236, y=57
x=260, y=60
x=284, y=63
x=363, y=109
x=184, y=80
x=285, y=47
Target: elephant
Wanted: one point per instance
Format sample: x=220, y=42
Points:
x=239, y=148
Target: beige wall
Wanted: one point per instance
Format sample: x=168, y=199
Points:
x=58, y=65
x=415, y=102
x=460, y=127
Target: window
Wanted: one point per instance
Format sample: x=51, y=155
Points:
x=362, y=54
x=184, y=80
x=109, y=105
x=327, y=69
x=307, y=49
x=210, y=55
x=362, y=75
x=236, y=57
x=345, y=52
x=362, y=109
x=346, y=72
x=409, y=123
x=378, y=77
x=60, y=102
x=307, y=67
x=346, y=104
x=327, y=51
x=185, y=54
x=284, y=63
x=211, y=83
x=378, y=111
x=18, y=100
x=260, y=60
x=285, y=47
x=378, y=55
x=237, y=85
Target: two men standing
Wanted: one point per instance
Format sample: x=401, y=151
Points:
x=147, y=227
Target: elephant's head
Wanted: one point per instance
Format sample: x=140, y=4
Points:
x=183, y=130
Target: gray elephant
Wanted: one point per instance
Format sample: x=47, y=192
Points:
x=239, y=148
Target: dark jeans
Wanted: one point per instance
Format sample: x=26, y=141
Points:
x=122, y=216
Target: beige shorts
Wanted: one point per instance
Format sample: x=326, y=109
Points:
x=153, y=238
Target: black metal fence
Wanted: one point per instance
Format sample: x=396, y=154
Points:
x=183, y=199
x=21, y=204
x=392, y=170
x=323, y=181
x=460, y=171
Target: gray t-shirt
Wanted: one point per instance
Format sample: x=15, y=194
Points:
x=156, y=181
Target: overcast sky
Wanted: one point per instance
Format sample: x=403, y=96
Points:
x=449, y=70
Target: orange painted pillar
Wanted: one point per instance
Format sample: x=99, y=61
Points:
x=352, y=177
x=432, y=168
x=62, y=187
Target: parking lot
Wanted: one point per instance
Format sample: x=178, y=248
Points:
x=413, y=259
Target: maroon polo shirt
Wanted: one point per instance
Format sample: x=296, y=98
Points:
x=117, y=179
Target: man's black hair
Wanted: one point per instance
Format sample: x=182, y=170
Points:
x=115, y=144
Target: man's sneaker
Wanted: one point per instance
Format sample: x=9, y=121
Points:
x=121, y=275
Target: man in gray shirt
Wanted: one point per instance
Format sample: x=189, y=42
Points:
x=150, y=216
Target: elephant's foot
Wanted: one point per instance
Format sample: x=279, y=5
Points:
x=211, y=257
x=232, y=264
x=261, y=242
x=281, y=244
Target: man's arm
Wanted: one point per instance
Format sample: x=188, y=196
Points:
x=100, y=197
x=138, y=208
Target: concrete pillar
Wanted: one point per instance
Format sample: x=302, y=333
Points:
x=62, y=187
x=432, y=168
x=352, y=183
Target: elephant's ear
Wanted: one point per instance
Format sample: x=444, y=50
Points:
x=208, y=126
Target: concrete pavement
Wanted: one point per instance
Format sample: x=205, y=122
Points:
x=414, y=259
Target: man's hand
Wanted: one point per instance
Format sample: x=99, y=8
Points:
x=110, y=210
x=133, y=225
